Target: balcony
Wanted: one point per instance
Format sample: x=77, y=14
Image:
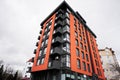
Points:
x=56, y=41
x=55, y=64
x=60, y=11
x=59, y=17
x=56, y=51
x=58, y=23
x=40, y=31
x=37, y=44
x=57, y=32
x=38, y=37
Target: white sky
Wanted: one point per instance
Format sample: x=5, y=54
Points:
x=20, y=25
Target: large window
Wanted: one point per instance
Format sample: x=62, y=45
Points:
x=68, y=60
x=77, y=52
x=66, y=47
x=67, y=21
x=78, y=63
x=66, y=37
x=67, y=14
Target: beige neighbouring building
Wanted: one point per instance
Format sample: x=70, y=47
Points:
x=108, y=57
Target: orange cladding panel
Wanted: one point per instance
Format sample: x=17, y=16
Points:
x=45, y=64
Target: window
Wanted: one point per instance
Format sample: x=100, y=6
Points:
x=38, y=62
x=85, y=41
x=87, y=57
x=46, y=42
x=66, y=28
x=81, y=45
x=44, y=37
x=49, y=64
x=78, y=63
x=80, y=38
x=48, y=33
x=51, y=50
x=74, y=20
x=66, y=47
x=67, y=14
x=76, y=34
x=40, y=52
x=42, y=60
x=97, y=63
x=46, y=29
x=88, y=67
x=68, y=10
x=66, y=37
x=63, y=77
x=75, y=27
x=85, y=48
x=42, y=44
x=68, y=60
x=44, y=51
x=67, y=21
x=83, y=55
x=77, y=52
x=76, y=41
x=84, y=66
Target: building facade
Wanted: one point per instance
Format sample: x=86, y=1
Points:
x=108, y=59
x=66, y=49
x=27, y=69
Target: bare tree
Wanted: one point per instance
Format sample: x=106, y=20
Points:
x=116, y=68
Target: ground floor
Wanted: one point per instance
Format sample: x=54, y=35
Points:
x=60, y=75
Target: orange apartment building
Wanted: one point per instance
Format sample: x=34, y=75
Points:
x=67, y=48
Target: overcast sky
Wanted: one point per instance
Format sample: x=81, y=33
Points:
x=20, y=25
